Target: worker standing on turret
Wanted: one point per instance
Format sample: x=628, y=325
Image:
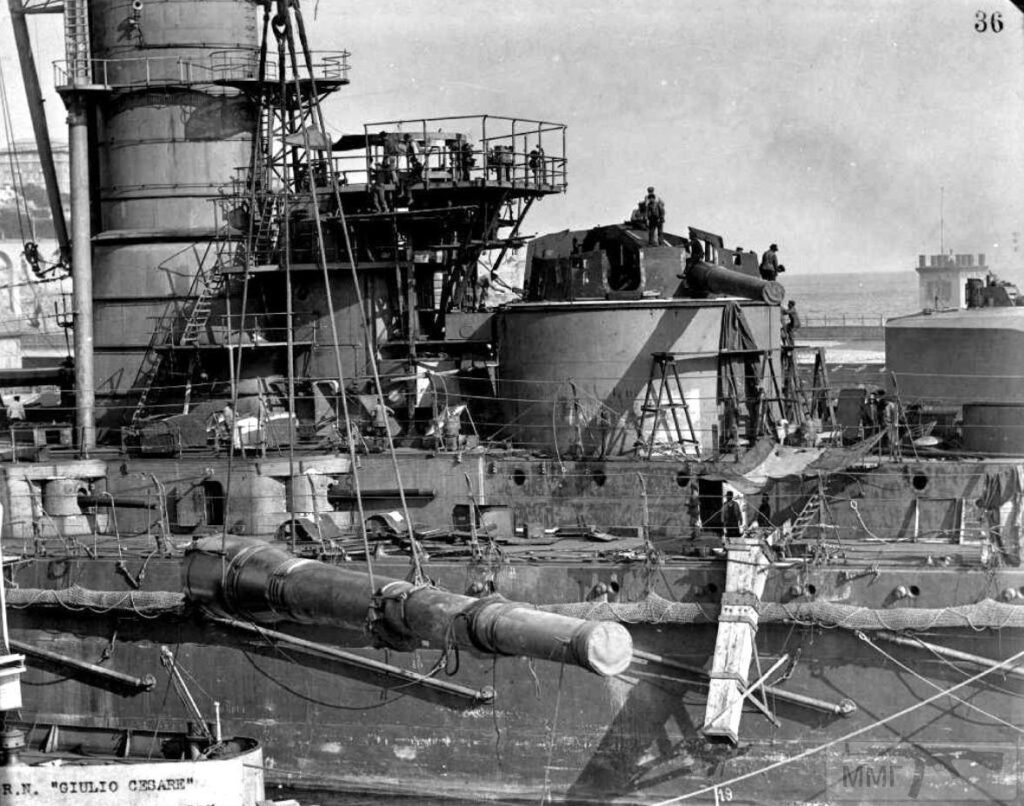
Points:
x=770, y=263
x=638, y=218
x=655, y=208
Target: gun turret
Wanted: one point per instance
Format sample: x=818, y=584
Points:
x=710, y=278
x=242, y=577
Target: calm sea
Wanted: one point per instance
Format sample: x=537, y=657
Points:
x=862, y=294
x=853, y=294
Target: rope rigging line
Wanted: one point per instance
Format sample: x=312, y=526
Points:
x=713, y=788
x=254, y=168
x=329, y=294
x=935, y=686
x=418, y=575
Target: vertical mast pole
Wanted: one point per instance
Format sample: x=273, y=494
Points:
x=81, y=249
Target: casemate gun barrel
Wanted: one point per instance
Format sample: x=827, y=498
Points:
x=720, y=280
x=247, y=578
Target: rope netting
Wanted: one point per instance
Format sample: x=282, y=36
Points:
x=986, y=613
x=143, y=603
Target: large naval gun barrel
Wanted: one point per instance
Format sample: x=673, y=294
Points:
x=715, y=279
x=248, y=578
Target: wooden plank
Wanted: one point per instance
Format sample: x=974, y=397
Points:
x=734, y=645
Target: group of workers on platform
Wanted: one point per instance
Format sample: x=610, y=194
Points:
x=405, y=162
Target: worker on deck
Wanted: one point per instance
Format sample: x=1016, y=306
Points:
x=867, y=415
x=452, y=430
x=693, y=510
x=770, y=263
x=732, y=516
x=655, y=209
x=16, y=410
x=763, y=516
x=891, y=421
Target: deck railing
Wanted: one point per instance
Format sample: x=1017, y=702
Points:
x=843, y=320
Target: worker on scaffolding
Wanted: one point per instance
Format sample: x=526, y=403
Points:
x=378, y=193
x=790, y=324
x=462, y=157
x=538, y=165
x=16, y=410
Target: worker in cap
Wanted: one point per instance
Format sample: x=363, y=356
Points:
x=655, y=217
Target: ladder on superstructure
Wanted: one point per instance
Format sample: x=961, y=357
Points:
x=810, y=516
x=663, y=369
x=821, y=403
x=76, y=41
x=206, y=286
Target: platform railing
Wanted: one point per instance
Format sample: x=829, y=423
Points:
x=518, y=151
x=219, y=67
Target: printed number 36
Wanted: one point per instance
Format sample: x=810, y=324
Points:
x=988, y=22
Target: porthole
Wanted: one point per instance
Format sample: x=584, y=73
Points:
x=599, y=477
x=919, y=481
x=682, y=478
x=519, y=477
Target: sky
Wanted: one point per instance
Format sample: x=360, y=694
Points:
x=842, y=131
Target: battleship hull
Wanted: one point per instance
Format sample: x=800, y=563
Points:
x=561, y=732
x=852, y=717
